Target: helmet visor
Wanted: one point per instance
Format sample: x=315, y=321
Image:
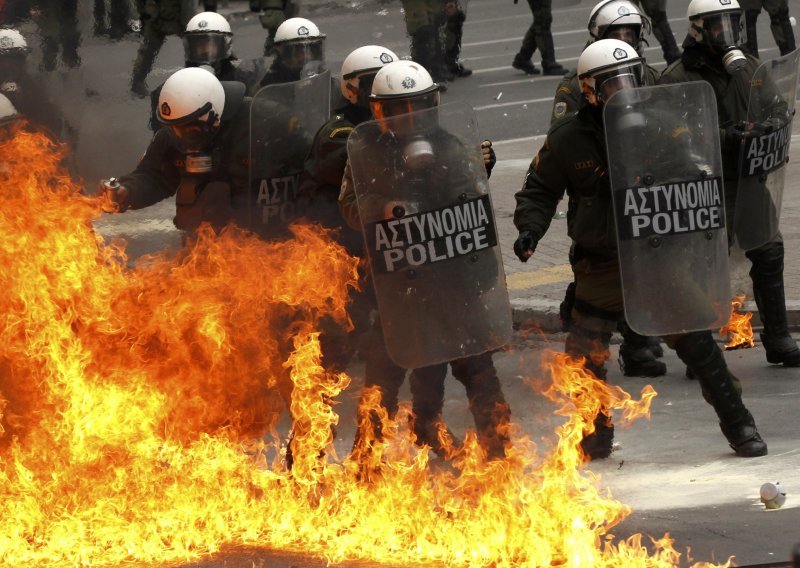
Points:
x=626, y=77
x=387, y=108
x=206, y=48
x=297, y=55
x=629, y=34
x=723, y=30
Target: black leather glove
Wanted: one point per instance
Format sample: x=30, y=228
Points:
x=524, y=245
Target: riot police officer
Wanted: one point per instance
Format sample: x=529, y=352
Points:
x=616, y=19
x=779, y=24
x=207, y=42
x=538, y=37
x=656, y=10
x=200, y=155
x=574, y=157
x=713, y=53
x=399, y=89
x=299, y=48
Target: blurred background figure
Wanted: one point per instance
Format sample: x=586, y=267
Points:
x=57, y=21
x=538, y=37
x=425, y=23
x=455, y=15
x=160, y=18
x=271, y=14
x=111, y=18
x=656, y=10
x=779, y=24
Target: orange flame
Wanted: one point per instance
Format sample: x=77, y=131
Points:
x=134, y=403
x=738, y=330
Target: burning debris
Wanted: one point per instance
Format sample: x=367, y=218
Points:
x=131, y=401
x=738, y=329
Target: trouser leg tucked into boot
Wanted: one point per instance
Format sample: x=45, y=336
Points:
x=427, y=393
x=593, y=346
x=489, y=408
x=636, y=358
x=768, y=290
x=722, y=390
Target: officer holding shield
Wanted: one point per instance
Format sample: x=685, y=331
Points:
x=713, y=53
x=411, y=149
x=574, y=156
x=616, y=19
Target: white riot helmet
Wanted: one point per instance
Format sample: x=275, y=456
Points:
x=207, y=39
x=359, y=69
x=607, y=66
x=298, y=42
x=718, y=25
x=7, y=111
x=12, y=43
x=191, y=104
x=618, y=19
x=402, y=87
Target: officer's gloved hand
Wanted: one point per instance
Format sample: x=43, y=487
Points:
x=524, y=245
x=115, y=197
x=489, y=157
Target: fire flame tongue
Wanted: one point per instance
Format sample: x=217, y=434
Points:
x=738, y=329
x=130, y=399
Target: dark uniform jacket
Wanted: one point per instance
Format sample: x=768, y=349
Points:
x=569, y=97
x=324, y=168
x=158, y=174
x=573, y=157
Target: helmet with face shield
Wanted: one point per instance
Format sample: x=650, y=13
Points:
x=8, y=118
x=207, y=39
x=300, y=45
x=618, y=19
x=402, y=87
x=190, y=105
x=13, y=54
x=718, y=25
x=607, y=66
x=359, y=69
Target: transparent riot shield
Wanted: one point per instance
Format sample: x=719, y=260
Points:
x=765, y=151
x=669, y=206
x=431, y=237
x=283, y=121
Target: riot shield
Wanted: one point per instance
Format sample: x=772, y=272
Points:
x=283, y=121
x=765, y=151
x=669, y=207
x=431, y=237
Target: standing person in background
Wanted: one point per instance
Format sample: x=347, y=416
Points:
x=425, y=20
x=118, y=12
x=538, y=37
x=271, y=14
x=160, y=18
x=58, y=26
x=779, y=24
x=454, y=31
x=656, y=10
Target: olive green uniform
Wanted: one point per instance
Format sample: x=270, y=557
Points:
x=779, y=24
x=160, y=18
x=732, y=94
x=574, y=157
x=425, y=23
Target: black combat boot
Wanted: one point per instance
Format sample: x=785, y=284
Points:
x=525, y=65
x=767, y=276
x=635, y=357
x=584, y=343
x=549, y=64
x=721, y=390
x=455, y=31
x=655, y=347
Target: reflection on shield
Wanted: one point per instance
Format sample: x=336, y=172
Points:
x=765, y=151
x=429, y=228
x=283, y=121
x=669, y=207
